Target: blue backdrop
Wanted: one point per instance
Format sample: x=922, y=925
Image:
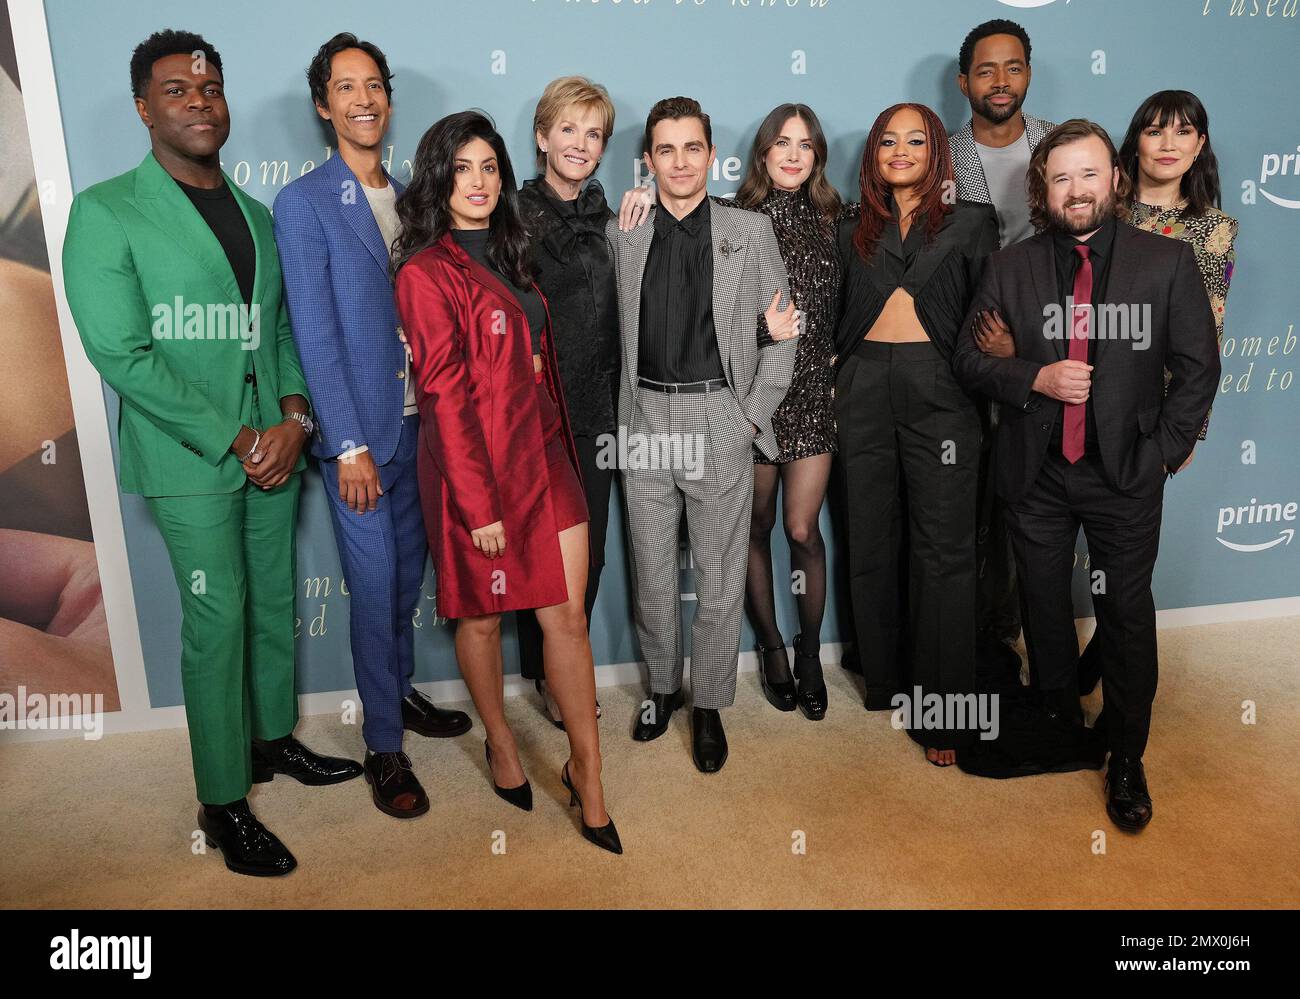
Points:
x=848, y=59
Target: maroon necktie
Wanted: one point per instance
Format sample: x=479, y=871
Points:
x=1075, y=420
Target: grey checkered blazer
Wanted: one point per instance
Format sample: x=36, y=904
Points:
x=747, y=271
x=966, y=166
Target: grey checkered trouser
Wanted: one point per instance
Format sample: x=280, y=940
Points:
x=717, y=494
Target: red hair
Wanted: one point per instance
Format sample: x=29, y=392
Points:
x=875, y=190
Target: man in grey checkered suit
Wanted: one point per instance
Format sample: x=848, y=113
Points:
x=708, y=352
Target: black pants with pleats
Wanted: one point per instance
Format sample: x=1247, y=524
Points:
x=910, y=450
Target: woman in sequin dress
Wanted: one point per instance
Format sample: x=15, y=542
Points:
x=786, y=180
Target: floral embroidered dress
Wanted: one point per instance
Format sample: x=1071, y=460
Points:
x=1211, y=236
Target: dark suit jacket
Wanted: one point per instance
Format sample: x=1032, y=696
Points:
x=1139, y=427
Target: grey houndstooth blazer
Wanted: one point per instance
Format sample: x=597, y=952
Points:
x=972, y=185
x=747, y=271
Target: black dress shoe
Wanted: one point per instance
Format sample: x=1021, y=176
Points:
x=246, y=845
x=606, y=836
x=708, y=741
x=779, y=693
x=393, y=786
x=1128, y=803
x=660, y=711
x=290, y=757
x=520, y=797
x=811, y=690
x=423, y=717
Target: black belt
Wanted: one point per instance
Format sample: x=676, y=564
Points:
x=673, y=388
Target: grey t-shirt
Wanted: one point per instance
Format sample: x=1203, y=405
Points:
x=383, y=202
x=1004, y=169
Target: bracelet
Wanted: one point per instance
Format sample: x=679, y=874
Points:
x=257, y=439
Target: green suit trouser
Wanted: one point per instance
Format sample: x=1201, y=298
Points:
x=233, y=556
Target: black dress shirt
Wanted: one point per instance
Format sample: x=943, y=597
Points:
x=226, y=219
x=1099, y=244
x=678, y=342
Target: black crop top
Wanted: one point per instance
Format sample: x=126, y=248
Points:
x=474, y=242
x=942, y=276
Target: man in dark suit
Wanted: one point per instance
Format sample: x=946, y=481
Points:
x=1098, y=310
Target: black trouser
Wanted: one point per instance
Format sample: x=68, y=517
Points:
x=596, y=483
x=1123, y=534
x=905, y=424
x=997, y=613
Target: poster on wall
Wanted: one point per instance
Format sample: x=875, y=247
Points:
x=56, y=660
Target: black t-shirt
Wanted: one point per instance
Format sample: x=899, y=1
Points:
x=678, y=343
x=224, y=217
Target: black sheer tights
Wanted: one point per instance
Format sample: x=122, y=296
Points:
x=803, y=485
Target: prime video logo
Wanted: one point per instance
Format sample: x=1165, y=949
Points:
x=1279, y=165
x=1257, y=513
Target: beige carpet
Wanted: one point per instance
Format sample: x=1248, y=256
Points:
x=86, y=824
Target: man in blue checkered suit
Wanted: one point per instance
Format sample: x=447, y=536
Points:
x=334, y=227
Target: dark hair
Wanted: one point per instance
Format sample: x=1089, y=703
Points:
x=671, y=109
x=423, y=207
x=998, y=26
x=161, y=44
x=1074, y=130
x=757, y=184
x=319, y=72
x=1200, y=184
x=876, y=191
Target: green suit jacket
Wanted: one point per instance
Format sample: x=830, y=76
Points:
x=159, y=312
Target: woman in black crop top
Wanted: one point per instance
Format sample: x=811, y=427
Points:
x=913, y=259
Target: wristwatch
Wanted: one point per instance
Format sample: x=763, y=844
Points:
x=308, y=425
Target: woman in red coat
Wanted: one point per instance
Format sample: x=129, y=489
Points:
x=503, y=504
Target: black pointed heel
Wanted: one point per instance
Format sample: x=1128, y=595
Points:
x=606, y=836
x=520, y=797
x=780, y=695
x=811, y=695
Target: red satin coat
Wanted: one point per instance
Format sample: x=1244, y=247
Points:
x=481, y=457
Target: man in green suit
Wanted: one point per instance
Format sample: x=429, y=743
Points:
x=174, y=282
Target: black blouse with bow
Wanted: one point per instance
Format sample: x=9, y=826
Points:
x=942, y=276
x=575, y=273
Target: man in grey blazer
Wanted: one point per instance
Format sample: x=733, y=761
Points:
x=708, y=352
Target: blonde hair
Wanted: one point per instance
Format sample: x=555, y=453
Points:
x=564, y=93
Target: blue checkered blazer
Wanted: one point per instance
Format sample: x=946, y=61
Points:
x=341, y=308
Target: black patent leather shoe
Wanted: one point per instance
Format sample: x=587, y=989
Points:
x=810, y=692
x=1128, y=802
x=423, y=717
x=393, y=785
x=606, y=836
x=290, y=757
x=520, y=797
x=652, y=718
x=708, y=740
x=246, y=845
x=779, y=693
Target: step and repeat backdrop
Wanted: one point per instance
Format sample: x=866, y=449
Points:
x=1230, y=520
